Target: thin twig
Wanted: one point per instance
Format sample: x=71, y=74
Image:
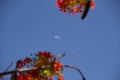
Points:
x=8, y=67
x=61, y=55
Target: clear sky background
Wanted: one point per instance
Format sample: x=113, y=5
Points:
x=93, y=44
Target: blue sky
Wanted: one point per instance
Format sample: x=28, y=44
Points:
x=28, y=26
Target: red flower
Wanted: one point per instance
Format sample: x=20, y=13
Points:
x=28, y=76
x=60, y=77
x=20, y=77
x=45, y=54
x=27, y=60
x=57, y=66
x=92, y=4
x=51, y=78
x=19, y=64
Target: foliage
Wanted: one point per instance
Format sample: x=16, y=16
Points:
x=75, y=6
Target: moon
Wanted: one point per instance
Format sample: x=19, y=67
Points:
x=57, y=37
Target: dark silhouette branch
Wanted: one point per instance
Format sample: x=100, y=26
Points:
x=74, y=67
x=86, y=9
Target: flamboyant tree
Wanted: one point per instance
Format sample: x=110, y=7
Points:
x=44, y=65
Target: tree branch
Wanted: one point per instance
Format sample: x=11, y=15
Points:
x=74, y=67
x=17, y=70
x=43, y=67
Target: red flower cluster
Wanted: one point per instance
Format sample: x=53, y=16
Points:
x=45, y=54
x=24, y=77
x=73, y=6
x=57, y=66
x=21, y=63
x=46, y=66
